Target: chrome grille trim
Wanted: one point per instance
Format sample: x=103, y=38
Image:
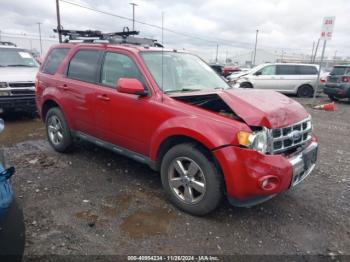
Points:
x=281, y=139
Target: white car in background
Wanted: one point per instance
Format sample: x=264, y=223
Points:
x=235, y=75
x=299, y=79
x=18, y=70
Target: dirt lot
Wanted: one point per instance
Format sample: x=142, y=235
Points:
x=92, y=201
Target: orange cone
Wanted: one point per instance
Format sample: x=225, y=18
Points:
x=327, y=107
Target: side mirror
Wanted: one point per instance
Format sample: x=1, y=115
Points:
x=131, y=86
x=258, y=73
x=2, y=125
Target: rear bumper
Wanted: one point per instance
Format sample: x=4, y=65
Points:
x=18, y=103
x=245, y=171
x=337, y=91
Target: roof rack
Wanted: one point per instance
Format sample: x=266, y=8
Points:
x=94, y=36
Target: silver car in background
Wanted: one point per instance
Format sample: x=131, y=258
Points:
x=299, y=79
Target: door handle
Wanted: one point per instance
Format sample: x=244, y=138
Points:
x=103, y=97
x=65, y=87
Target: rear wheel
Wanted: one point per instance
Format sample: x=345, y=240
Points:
x=305, y=91
x=191, y=180
x=58, y=131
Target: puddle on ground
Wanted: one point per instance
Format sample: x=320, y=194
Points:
x=20, y=130
x=147, y=223
x=121, y=202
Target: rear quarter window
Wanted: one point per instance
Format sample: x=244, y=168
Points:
x=54, y=59
x=307, y=70
x=85, y=65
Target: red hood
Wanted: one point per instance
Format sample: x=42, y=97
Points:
x=264, y=108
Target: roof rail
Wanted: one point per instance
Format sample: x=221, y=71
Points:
x=95, y=36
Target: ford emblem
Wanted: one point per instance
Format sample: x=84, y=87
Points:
x=295, y=135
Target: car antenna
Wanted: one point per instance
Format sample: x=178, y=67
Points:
x=162, y=55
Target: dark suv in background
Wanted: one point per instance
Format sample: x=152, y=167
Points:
x=338, y=83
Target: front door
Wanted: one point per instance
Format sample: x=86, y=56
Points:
x=125, y=120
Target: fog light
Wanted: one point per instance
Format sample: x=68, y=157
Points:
x=269, y=183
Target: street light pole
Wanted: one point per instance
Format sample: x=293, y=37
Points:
x=256, y=43
x=41, y=46
x=58, y=21
x=133, y=16
x=217, y=53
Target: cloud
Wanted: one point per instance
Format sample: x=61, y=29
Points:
x=291, y=25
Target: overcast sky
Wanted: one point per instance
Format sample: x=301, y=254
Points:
x=291, y=25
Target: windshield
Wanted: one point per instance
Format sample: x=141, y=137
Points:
x=182, y=72
x=16, y=57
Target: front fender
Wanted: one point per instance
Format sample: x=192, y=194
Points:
x=211, y=134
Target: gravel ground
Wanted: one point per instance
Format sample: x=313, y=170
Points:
x=93, y=202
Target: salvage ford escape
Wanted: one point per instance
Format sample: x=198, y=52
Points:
x=170, y=110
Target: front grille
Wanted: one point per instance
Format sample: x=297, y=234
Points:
x=22, y=88
x=286, y=138
x=21, y=84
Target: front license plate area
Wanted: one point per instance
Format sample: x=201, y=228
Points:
x=309, y=157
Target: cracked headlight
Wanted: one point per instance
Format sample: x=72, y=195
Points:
x=256, y=140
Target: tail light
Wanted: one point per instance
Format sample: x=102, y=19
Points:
x=322, y=80
x=346, y=79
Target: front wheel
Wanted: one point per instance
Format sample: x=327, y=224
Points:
x=58, y=131
x=191, y=180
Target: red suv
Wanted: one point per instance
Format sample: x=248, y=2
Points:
x=171, y=111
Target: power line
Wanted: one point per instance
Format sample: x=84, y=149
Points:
x=224, y=42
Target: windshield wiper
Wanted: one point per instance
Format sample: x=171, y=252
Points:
x=183, y=90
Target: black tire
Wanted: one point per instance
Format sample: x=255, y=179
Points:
x=63, y=145
x=305, y=91
x=333, y=98
x=246, y=85
x=213, y=179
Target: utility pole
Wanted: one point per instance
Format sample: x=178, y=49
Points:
x=318, y=42
x=133, y=16
x=217, y=53
x=335, y=55
x=312, y=52
x=41, y=46
x=256, y=43
x=58, y=21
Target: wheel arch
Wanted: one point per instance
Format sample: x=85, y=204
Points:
x=173, y=140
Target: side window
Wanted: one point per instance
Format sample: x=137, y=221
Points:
x=84, y=65
x=268, y=70
x=287, y=70
x=54, y=59
x=117, y=66
x=307, y=70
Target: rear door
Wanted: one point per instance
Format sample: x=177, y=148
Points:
x=79, y=87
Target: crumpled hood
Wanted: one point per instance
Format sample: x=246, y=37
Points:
x=264, y=108
x=18, y=74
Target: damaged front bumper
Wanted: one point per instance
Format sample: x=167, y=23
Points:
x=252, y=178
